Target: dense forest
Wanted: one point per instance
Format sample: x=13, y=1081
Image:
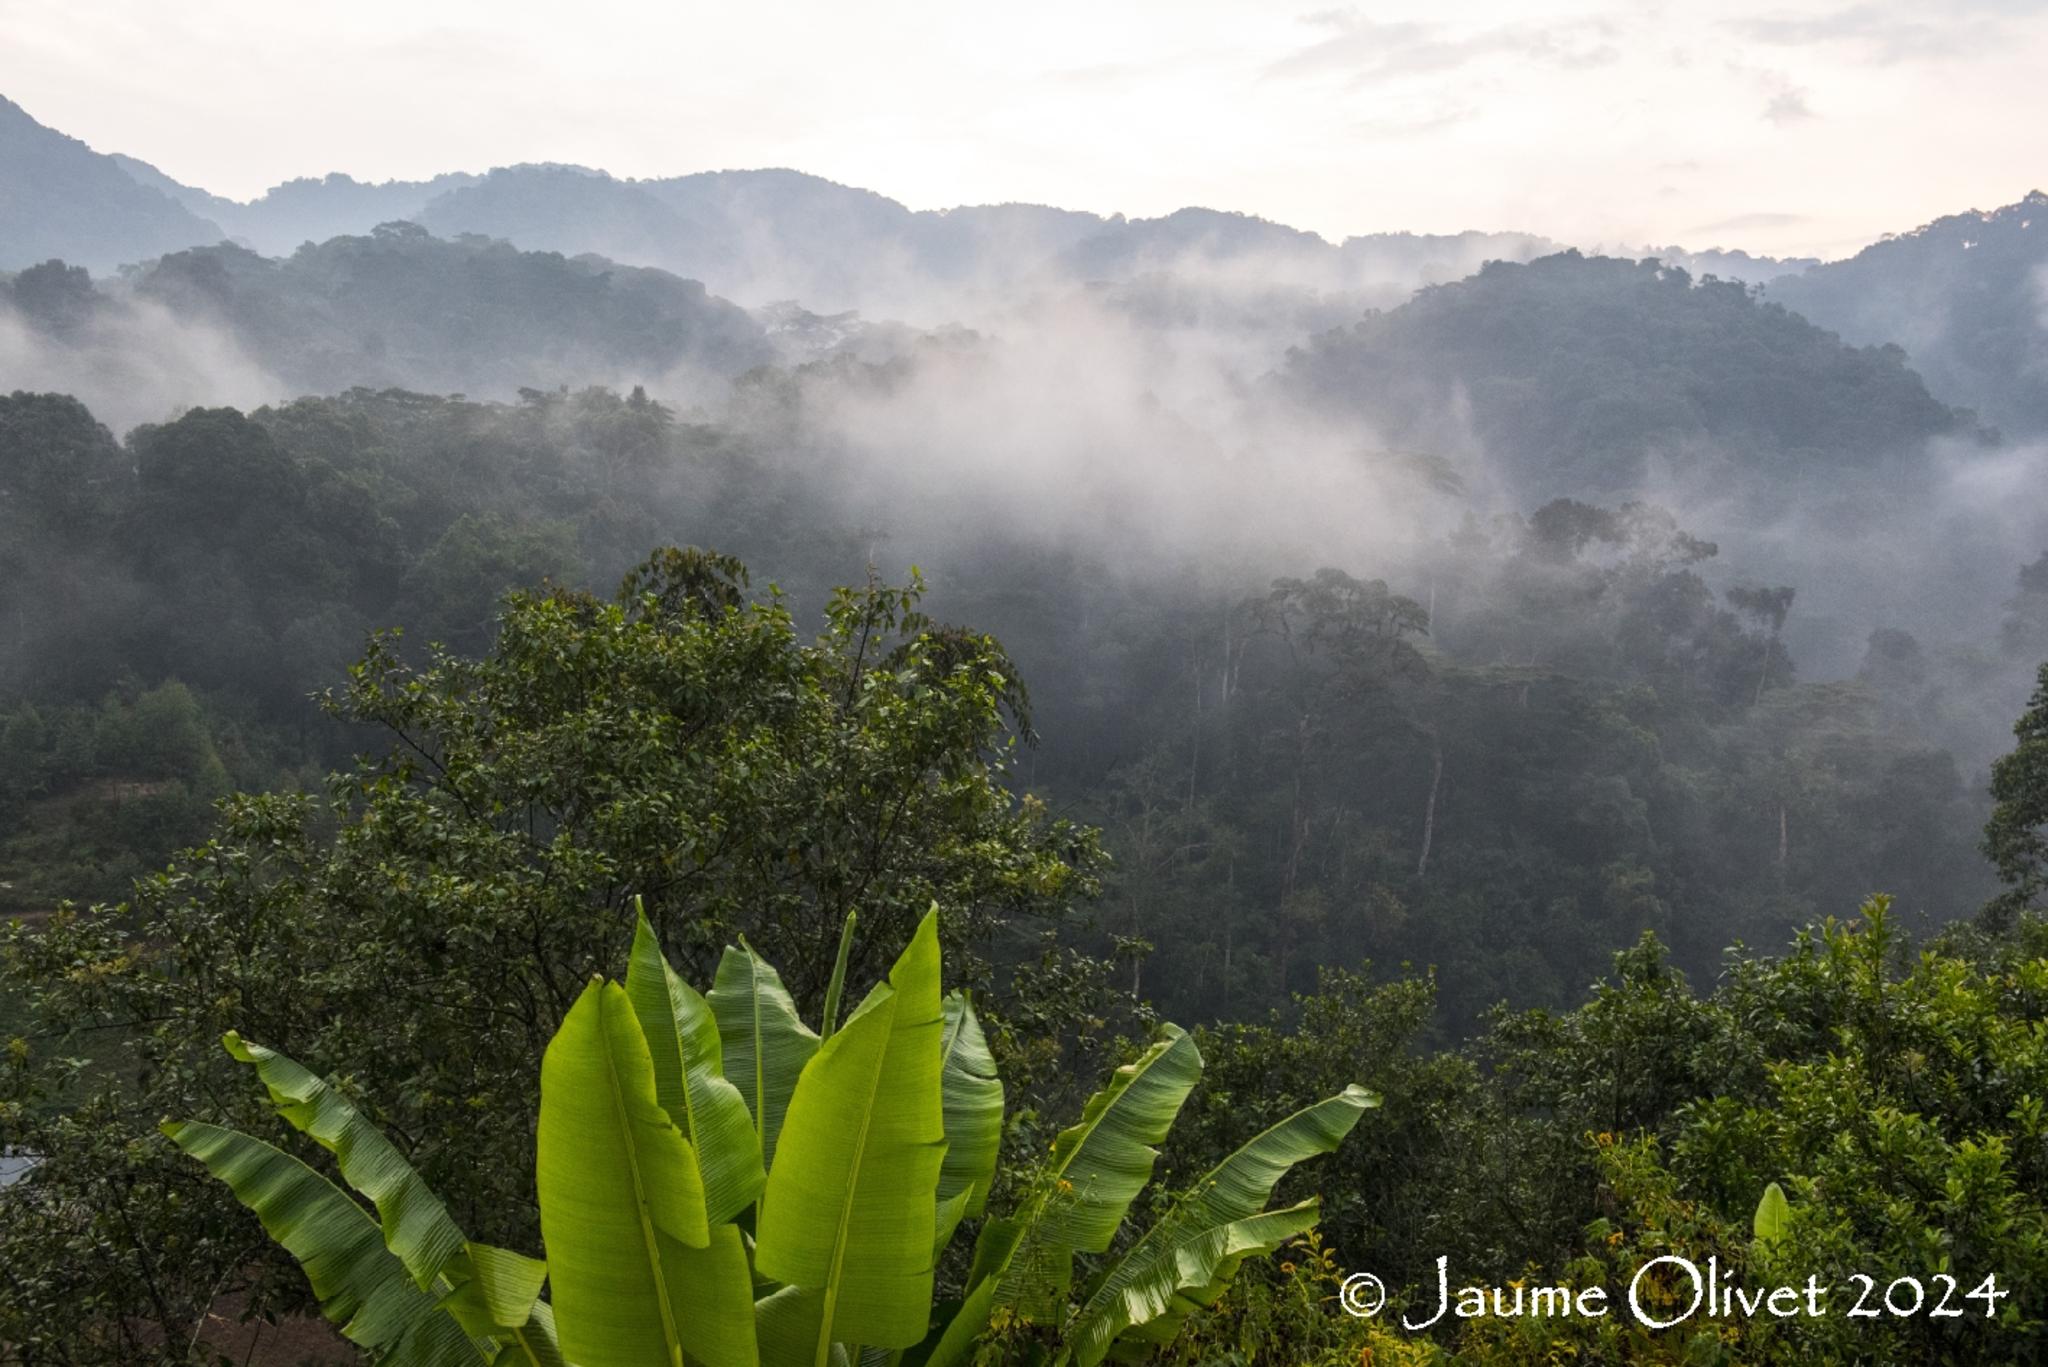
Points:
x=1545, y=690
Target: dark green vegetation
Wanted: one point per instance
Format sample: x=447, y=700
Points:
x=1893, y=1088
x=1374, y=708
x=399, y=305
x=1582, y=741
x=1590, y=374
x=782, y=1211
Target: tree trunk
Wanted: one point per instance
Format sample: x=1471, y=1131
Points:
x=1436, y=778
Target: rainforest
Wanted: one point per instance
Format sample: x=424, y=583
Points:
x=713, y=768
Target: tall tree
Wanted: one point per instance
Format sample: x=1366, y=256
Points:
x=2016, y=836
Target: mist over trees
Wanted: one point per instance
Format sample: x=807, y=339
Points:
x=1351, y=650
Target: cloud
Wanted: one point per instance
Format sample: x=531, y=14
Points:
x=1788, y=106
x=1743, y=222
x=1362, y=49
x=1417, y=123
x=1886, y=31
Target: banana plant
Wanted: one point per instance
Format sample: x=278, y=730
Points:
x=719, y=1184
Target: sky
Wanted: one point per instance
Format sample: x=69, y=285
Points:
x=1787, y=128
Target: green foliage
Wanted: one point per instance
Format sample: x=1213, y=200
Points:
x=1883, y=1102
x=1576, y=742
x=2016, y=837
x=400, y=306
x=638, y=1269
x=430, y=924
x=1577, y=367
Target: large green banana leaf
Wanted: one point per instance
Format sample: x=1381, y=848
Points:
x=974, y=1116
x=766, y=1043
x=787, y=1322
x=638, y=1277
x=1179, y=1253
x=1224, y=1248
x=533, y=1344
x=361, y=1284
x=497, y=1298
x=849, y=1206
x=1096, y=1170
x=689, y=1079
x=416, y=1226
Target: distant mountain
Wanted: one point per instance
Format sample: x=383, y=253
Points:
x=214, y=208
x=760, y=236
x=1576, y=375
x=1728, y=265
x=304, y=210
x=394, y=308
x=65, y=200
x=1966, y=296
x=576, y=211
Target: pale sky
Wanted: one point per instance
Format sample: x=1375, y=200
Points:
x=1777, y=127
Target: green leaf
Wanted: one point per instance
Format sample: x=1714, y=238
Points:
x=637, y=1275
x=1773, y=1220
x=361, y=1284
x=955, y=1345
x=838, y=983
x=416, y=1226
x=1097, y=1169
x=1183, y=1250
x=1224, y=1248
x=974, y=1115
x=766, y=1043
x=850, y=1200
x=689, y=1079
x=533, y=1344
x=787, y=1322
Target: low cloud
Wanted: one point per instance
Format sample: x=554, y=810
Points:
x=1363, y=49
x=1886, y=33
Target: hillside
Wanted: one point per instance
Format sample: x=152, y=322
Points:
x=1592, y=375
x=396, y=307
x=64, y=199
x=1966, y=296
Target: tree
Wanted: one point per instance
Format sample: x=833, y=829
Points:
x=1767, y=607
x=432, y=923
x=2016, y=836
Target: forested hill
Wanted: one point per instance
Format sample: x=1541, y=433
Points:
x=62, y=198
x=395, y=307
x=1966, y=296
x=1592, y=375
x=759, y=236
x=308, y=209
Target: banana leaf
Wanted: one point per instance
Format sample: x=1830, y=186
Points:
x=848, y=1211
x=638, y=1277
x=1096, y=1170
x=416, y=1226
x=361, y=1285
x=974, y=1117
x=1183, y=1251
x=1225, y=1248
x=689, y=1079
x=766, y=1044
